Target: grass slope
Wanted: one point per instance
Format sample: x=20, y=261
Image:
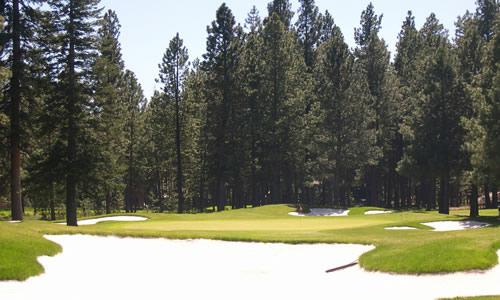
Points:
x=397, y=251
x=20, y=245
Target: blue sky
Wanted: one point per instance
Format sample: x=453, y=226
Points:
x=148, y=25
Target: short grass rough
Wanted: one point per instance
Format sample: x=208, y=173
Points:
x=401, y=252
x=477, y=298
x=20, y=245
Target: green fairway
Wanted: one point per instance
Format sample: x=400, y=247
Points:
x=478, y=298
x=396, y=252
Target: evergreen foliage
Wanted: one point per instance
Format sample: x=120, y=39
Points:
x=274, y=112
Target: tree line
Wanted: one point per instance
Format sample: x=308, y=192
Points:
x=279, y=109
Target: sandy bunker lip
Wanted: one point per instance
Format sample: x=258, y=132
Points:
x=456, y=225
x=107, y=219
x=443, y=226
x=277, y=270
x=401, y=228
x=378, y=212
x=322, y=212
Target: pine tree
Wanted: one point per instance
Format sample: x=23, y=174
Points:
x=42, y=183
x=21, y=22
x=282, y=8
x=490, y=80
x=486, y=14
x=369, y=27
x=341, y=90
x=436, y=120
x=15, y=111
x=75, y=23
x=108, y=76
x=134, y=104
x=442, y=113
x=405, y=65
x=250, y=75
x=308, y=27
x=327, y=26
x=486, y=17
x=372, y=53
x=197, y=135
x=158, y=126
x=173, y=71
x=285, y=87
x=407, y=51
x=42, y=120
x=219, y=65
x=253, y=21
x=4, y=119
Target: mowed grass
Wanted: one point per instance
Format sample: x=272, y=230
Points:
x=477, y=298
x=409, y=252
x=20, y=245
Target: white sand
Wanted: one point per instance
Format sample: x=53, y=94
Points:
x=14, y=222
x=113, y=268
x=323, y=212
x=107, y=219
x=401, y=228
x=456, y=225
x=378, y=212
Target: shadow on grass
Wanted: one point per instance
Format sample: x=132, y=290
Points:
x=492, y=220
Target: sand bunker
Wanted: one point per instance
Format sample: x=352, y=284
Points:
x=378, y=212
x=107, y=219
x=456, y=225
x=14, y=222
x=401, y=228
x=323, y=212
x=131, y=269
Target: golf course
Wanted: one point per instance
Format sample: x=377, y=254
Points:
x=417, y=252
x=264, y=149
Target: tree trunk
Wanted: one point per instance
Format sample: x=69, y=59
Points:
x=474, y=205
x=130, y=189
x=180, y=180
x=372, y=187
x=444, y=200
x=487, y=198
x=324, y=190
x=427, y=194
x=432, y=197
x=201, y=189
x=494, y=199
x=108, y=202
x=180, y=192
x=52, y=202
x=220, y=197
x=159, y=187
x=419, y=192
x=343, y=196
x=71, y=178
x=253, y=184
x=288, y=185
x=237, y=194
x=15, y=138
x=275, y=185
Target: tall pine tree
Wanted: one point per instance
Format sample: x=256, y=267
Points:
x=173, y=71
x=75, y=23
x=219, y=64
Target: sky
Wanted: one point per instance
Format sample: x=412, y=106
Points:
x=149, y=25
